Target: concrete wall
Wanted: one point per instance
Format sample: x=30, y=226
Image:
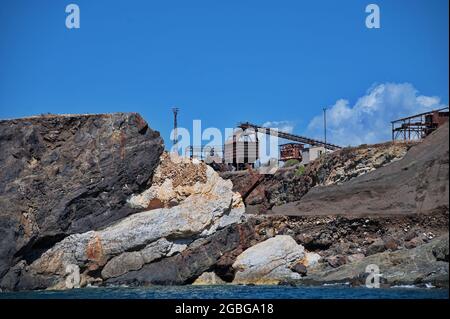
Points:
x=312, y=153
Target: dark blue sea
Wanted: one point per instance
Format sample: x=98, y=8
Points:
x=234, y=292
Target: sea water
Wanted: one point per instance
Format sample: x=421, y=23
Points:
x=234, y=292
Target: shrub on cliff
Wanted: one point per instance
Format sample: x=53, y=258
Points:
x=291, y=162
x=300, y=170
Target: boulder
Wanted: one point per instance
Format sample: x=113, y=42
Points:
x=208, y=278
x=416, y=241
x=66, y=174
x=311, y=259
x=377, y=246
x=122, y=264
x=391, y=243
x=268, y=262
x=300, y=269
x=337, y=260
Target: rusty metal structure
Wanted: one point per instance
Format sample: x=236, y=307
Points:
x=242, y=150
x=291, y=151
x=418, y=126
x=288, y=136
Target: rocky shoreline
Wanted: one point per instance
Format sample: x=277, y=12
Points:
x=95, y=201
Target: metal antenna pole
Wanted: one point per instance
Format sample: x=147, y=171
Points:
x=175, y=125
x=325, y=124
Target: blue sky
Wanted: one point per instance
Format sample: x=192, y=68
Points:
x=228, y=61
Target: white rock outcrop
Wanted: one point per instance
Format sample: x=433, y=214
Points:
x=269, y=262
x=134, y=260
x=311, y=259
x=202, y=208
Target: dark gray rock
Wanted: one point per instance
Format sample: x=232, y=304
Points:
x=420, y=265
x=68, y=174
x=377, y=246
x=441, y=250
x=391, y=243
x=300, y=268
x=417, y=241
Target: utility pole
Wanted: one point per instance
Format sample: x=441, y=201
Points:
x=325, y=124
x=175, y=125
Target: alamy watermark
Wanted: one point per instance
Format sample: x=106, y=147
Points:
x=234, y=147
x=373, y=20
x=373, y=277
x=73, y=17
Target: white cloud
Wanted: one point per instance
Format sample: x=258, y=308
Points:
x=282, y=126
x=368, y=120
x=428, y=101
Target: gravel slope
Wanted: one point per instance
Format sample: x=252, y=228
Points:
x=418, y=183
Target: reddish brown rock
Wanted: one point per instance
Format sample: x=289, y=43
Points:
x=391, y=244
x=336, y=261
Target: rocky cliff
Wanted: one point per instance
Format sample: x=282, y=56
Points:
x=61, y=175
x=185, y=207
x=94, y=200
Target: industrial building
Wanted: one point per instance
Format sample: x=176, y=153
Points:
x=300, y=152
x=311, y=153
x=241, y=150
x=294, y=150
